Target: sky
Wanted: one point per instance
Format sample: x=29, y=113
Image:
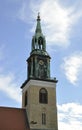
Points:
x=61, y=22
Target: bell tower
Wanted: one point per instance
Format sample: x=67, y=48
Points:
x=39, y=60
x=39, y=89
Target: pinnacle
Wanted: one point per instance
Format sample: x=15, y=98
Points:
x=38, y=27
x=38, y=17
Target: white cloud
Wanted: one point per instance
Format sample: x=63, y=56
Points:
x=25, y=12
x=57, y=20
x=22, y=13
x=70, y=116
x=72, y=67
x=8, y=83
x=9, y=86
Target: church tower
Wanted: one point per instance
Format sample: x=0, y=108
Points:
x=39, y=90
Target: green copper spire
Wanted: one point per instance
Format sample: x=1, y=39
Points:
x=39, y=60
x=38, y=27
x=38, y=40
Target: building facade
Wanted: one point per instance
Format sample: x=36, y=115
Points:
x=39, y=90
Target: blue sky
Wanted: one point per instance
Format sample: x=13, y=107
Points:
x=61, y=22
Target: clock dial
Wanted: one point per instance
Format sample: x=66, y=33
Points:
x=41, y=62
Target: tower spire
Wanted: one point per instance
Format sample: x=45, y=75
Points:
x=39, y=60
x=38, y=27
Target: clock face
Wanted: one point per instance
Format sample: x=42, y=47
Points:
x=42, y=69
x=41, y=62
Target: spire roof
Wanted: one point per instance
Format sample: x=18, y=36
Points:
x=38, y=27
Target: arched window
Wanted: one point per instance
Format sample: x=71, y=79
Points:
x=26, y=100
x=43, y=96
x=40, y=41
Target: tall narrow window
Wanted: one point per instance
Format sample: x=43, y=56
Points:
x=25, y=98
x=40, y=41
x=43, y=118
x=43, y=96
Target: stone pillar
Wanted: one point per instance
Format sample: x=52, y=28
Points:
x=48, y=68
x=31, y=74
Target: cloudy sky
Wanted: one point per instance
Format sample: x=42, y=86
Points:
x=61, y=22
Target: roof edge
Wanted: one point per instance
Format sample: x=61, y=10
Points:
x=48, y=80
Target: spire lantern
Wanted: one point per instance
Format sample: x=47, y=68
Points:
x=38, y=40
